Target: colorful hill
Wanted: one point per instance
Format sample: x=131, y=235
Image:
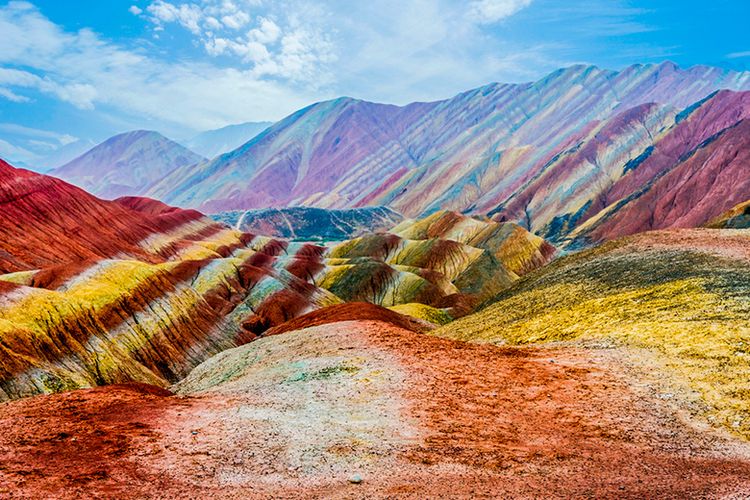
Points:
x=445, y=261
x=95, y=292
x=547, y=155
x=675, y=300
x=692, y=174
x=45, y=222
x=126, y=164
x=311, y=224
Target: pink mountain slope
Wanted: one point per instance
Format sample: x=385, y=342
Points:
x=487, y=150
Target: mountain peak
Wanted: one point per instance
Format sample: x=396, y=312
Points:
x=127, y=163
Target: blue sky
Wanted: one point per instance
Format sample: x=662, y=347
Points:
x=92, y=68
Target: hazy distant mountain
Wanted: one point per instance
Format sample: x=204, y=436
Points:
x=311, y=224
x=63, y=155
x=537, y=153
x=215, y=142
x=126, y=164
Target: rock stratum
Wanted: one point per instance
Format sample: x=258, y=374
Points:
x=580, y=156
x=97, y=292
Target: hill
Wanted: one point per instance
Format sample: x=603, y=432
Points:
x=96, y=292
x=677, y=299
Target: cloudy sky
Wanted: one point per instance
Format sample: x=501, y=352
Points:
x=87, y=69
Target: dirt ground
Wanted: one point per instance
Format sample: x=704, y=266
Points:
x=311, y=413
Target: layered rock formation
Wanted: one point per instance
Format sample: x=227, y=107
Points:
x=96, y=292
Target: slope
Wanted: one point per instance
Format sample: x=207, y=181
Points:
x=679, y=297
x=369, y=409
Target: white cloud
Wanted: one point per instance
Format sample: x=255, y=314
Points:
x=212, y=23
x=491, y=11
x=135, y=10
x=83, y=69
x=267, y=31
x=15, y=153
x=297, y=51
x=20, y=130
x=738, y=55
x=236, y=20
x=81, y=95
x=12, y=96
x=188, y=15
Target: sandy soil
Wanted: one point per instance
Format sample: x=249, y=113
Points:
x=308, y=412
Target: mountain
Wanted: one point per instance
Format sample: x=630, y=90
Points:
x=673, y=302
x=95, y=292
x=64, y=154
x=126, y=164
x=644, y=169
x=488, y=150
x=213, y=143
x=311, y=224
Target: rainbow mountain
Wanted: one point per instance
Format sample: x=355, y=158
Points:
x=562, y=156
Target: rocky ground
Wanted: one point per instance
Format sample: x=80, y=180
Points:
x=368, y=409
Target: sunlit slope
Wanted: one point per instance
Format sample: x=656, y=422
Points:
x=738, y=217
x=682, y=294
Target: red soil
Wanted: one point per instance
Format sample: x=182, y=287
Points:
x=494, y=422
x=80, y=443
x=350, y=311
x=45, y=221
x=145, y=205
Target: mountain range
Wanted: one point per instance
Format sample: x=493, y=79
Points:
x=580, y=156
x=550, y=154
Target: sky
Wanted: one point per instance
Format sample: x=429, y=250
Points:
x=88, y=69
